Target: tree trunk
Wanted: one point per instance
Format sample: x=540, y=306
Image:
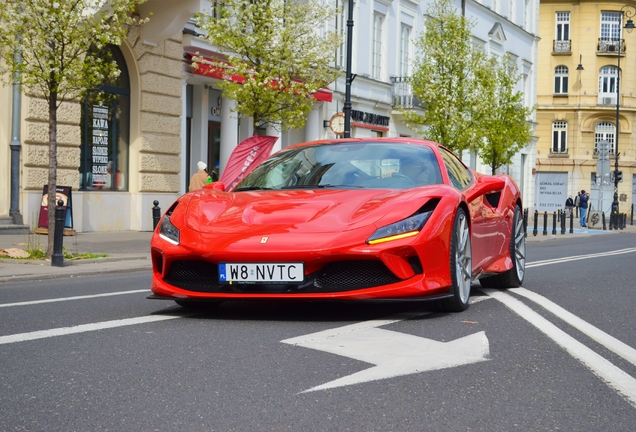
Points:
x=52, y=170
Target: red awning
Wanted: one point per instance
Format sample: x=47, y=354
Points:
x=209, y=70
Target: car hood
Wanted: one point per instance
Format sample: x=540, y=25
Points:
x=303, y=211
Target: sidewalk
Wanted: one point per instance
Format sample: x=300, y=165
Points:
x=126, y=250
x=130, y=251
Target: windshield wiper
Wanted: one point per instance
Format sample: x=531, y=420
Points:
x=251, y=188
x=323, y=186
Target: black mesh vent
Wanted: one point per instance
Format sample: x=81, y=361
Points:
x=200, y=276
x=351, y=275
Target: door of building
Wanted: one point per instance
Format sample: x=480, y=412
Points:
x=214, y=145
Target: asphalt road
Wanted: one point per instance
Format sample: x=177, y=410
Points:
x=123, y=363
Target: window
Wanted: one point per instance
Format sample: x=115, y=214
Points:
x=604, y=131
x=610, y=25
x=607, y=81
x=405, y=35
x=341, y=29
x=559, y=137
x=562, y=26
x=560, y=80
x=376, y=60
x=458, y=174
x=105, y=131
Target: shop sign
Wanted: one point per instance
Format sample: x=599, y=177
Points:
x=551, y=191
x=370, y=118
x=99, y=145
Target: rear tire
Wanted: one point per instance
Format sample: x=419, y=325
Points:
x=512, y=278
x=461, y=265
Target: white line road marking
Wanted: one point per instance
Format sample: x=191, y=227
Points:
x=624, y=383
x=34, y=302
x=22, y=337
x=579, y=257
x=608, y=341
x=392, y=353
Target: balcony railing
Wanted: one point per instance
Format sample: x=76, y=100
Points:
x=562, y=47
x=610, y=45
x=402, y=91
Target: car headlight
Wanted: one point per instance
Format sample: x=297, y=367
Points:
x=405, y=228
x=167, y=231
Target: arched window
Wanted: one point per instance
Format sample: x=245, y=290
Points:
x=105, y=131
x=607, y=85
x=604, y=131
x=559, y=137
x=561, y=80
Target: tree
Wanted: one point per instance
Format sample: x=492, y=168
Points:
x=53, y=47
x=275, y=55
x=506, y=128
x=448, y=76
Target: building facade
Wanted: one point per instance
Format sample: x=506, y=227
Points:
x=163, y=116
x=582, y=97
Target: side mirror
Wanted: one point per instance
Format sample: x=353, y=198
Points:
x=217, y=186
x=484, y=185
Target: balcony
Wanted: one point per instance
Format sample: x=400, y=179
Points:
x=562, y=47
x=402, y=93
x=610, y=46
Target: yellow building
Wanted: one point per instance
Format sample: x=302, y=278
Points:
x=583, y=46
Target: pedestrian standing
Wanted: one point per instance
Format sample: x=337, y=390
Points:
x=583, y=200
x=200, y=177
x=577, y=202
x=568, y=206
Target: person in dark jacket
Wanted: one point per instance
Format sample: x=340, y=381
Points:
x=583, y=200
x=568, y=206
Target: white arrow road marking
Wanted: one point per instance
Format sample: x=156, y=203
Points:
x=624, y=383
x=21, y=337
x=392, y=353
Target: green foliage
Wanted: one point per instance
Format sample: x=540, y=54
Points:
x=469, y=101
x=446, y=79
x=506, y=128
x=58, y=42
x=279, y=57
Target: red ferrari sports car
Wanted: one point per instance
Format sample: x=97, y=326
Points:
x=348, y=219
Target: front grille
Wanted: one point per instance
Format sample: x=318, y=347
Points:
x=203, y=276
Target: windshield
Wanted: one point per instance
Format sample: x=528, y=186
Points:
x=347, y=165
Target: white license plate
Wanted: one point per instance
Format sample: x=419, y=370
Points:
x=261, y=272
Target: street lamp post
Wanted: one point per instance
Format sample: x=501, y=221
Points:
x=349, y=77
x=629, y=26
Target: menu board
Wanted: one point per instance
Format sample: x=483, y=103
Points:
x=99, y=148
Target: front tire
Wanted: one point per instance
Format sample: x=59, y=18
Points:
x=512, y=278
x=461, y=265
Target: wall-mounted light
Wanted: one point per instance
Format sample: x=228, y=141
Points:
x=325, y=123
x=580, y=66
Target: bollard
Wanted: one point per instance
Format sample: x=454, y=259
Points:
x=536, y=223
x=554, y=221
x=611, y=221
x=563, y=223
x=623, y=220
x=603, y=217
x=632, y=217
x=525, y=222
x=545, y=223
x=571, y=222
x=57, y=259
x=156, y=214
